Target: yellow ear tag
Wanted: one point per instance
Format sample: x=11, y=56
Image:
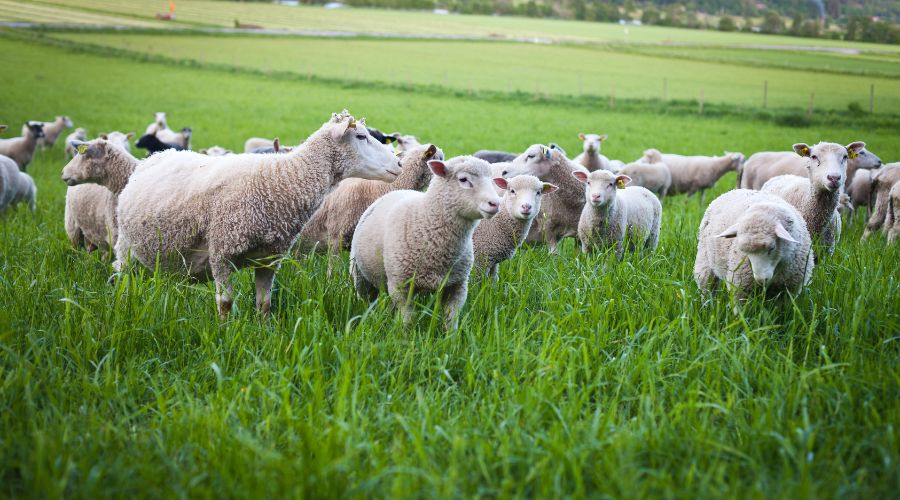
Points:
x=82, y=148
x=852, y=154
x=620, y=184
x=806, y=151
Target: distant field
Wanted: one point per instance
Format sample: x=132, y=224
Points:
x=553, y=69
x=222, y=14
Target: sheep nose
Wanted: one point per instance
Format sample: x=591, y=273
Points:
x=526, y=207
x=493, y=204
x=834, y=178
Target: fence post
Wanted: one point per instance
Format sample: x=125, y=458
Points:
x=612, y=98
x=579, y=84
x=701, y=101
x=872, y=98
x=665, y=88
x=765, y=93
x=812, y=100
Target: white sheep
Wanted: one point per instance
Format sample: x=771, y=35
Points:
x=497, y=239
x=693, y=174
x=752, y=239
x=96, y=176
x=21, y=149
x=52, y=131
x=215, y=151
x=80, y=135
x=205, y=216
x=254, y=143
x=892, y=222
x=160, y=128
x=159, y=122
x=882, y=182
x=119, y=138
x=15, y=186
x=817, y=195
x=654, y=176
x=591, y=158
x=762, y=166
x=405, y=142
x=412, y=241
x=614, y=214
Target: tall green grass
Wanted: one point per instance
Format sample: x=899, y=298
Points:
x=574, y=376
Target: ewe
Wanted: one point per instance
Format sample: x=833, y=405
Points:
x=692, y=174
x=761, y=167
x=591, y=158
x=21, y=149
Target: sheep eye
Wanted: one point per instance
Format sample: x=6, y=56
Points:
x=862, y=152
x=361, y=137
x=845, y=157
x=814, y=157
x=504, y=173
x=530, y=157
x=512, y=191
x=463, y=179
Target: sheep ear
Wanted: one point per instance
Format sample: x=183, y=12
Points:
x=340, y=129
x=501, y=183
x=80, y=146
x=276, y=144
x=432, y=149
x=621, y=181
x=581, y=176
x=854, y=148
x=801, y=149
x=603, y=137
x=581, y=136
x=548, y=188
x=130, y=135
x=545, y=151
x=731, y=232
x=783, y=233
x=103, y=136
x=438, y=168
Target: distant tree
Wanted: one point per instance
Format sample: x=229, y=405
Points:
x=650, y=16
x=809, y=29
x=796, y=23
x=772, y=23
x=726, y=23
x=628, y=7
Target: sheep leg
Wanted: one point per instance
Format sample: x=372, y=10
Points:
x=265, y=276
x=400, y=296
x=702, y=196
x=494, y=272
x=454, y=297
x=551, y=245
x=221, y=272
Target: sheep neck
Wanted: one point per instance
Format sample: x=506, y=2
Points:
x=506, y=224
x=120, y=165
x=571, y=190
x=719, y=168
x=591, y=160
x=411, y=177
x=820, y=208
x=443, y=205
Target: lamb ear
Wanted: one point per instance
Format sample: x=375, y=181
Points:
x=801, y=149
x=438, y=168
x=783, y=233
x=731, y=232
x=339, y=129
x=581, y=136
x=501, y=183
x=854, y=148
x=581, y=176
x=432, y=149
x=549, y=188
x=621, y=181
x=603, y=137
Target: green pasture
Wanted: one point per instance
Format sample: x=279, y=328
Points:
x=574, y=376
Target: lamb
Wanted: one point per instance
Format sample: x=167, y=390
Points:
x=15, y=186
x=494, y=156
x=653, y=176
x=160, y=128
x=119, y=138
x=560, y=213
x=215, y=151
x=761, y=167
x=333, y=224
x=80, y=135
x=52, y=130
x=591, y=158
x=892, y=223
x=152, y=144
x=205, y=216
x=882, y=182
x=96, y=176
x=817, y=196
x=609, y=217
x=692, y=174
x=498, y=238
x=412, y=241
x=21, y=149
x=752, y=239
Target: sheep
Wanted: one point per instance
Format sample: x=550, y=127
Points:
x=215, y=151
x=748, y=239
x=616, y=166
x=494, y=156
x=333, y=224
x=21, y=149
x=52, y=130
x=152, y=144
x=160, y=128
x=591, y=158
x=692, y=174
x=119, y=138
x=882, y=182
x=653, y=176
x=254, y=143
x=15, y=186
x=79, y=134
x=860, y=189
x=96, y=176
x=405, y=142
x=817, y=196
x=409, y=240
x=159, y=122
x=609, y=217
x=892, y=222
x=276, y=147
x=560, y=213
x=498, y=238
x=761, y=167
x=205, y=216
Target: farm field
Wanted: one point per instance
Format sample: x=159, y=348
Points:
x=574, y=376
x=510, y=67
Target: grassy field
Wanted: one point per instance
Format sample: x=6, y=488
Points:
x=574, y=376
x=205, y=13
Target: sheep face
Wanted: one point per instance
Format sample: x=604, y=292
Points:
x=35, y=129
x=763, y=239
x=66, y=121
x=522, y=199
x=592, y=142
x=827, y=163
x=119, y=139
x=863, y=158
x=88, y=165
x=367, y=158
x=537, y=160
x=416, y=160
x=467, y=186
x=600, y=186
x=737, y=159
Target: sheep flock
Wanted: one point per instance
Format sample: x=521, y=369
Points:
x=416, y=222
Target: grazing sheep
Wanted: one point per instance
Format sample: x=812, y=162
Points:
x=215, y=151
x=205, y=216
x=80, y=135
x=21, y=149
x=761, y=167
x=748, y=239
x=333, y=224
x=860, y=189
x=494, y=156
x=653, y=176
x=153, y=145
x=51, y=130
x=882, y=182
x=96, y=176
x=892, y=222
x=119, y=138
x=498, y=238
x=591, y=158
x=561, y=212
x=408, y=240
x=610, y=216
x=817, y=195
x=692, y=174
x=15, y=186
